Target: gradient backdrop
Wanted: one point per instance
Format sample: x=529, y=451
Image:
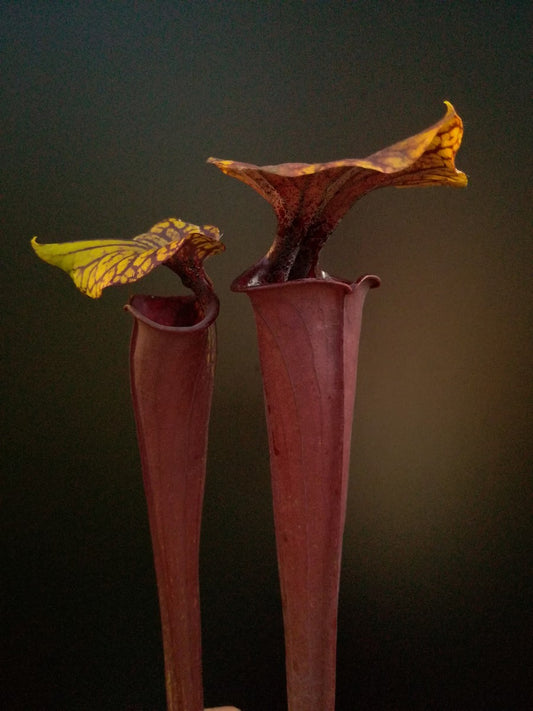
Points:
x=109, y=111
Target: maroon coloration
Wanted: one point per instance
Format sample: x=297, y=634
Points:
x=309, y=199
x=308, y=333
x=172, y=359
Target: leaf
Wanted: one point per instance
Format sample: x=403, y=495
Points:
x=97, y=264
x=309, y=199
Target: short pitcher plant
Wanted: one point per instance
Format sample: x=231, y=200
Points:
x=172, y=363
x=308, y=328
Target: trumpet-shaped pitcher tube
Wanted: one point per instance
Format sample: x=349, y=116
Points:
x=172, y=360
x=308, y=330
x=308, y=334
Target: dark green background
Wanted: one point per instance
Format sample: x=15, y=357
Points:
x=109, y=111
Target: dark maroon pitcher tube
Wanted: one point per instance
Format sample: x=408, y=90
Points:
x=172, y=362
x=308, y=334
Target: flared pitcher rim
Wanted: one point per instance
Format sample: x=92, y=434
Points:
x=211, y=309
x=370, y=280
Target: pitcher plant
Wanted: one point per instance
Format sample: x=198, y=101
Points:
x=308, y=326
x=172, y=362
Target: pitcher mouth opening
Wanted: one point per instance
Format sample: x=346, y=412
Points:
x=174, y=313
x=244, y=284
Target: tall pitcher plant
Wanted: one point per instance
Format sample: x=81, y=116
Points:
x=308, y=327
